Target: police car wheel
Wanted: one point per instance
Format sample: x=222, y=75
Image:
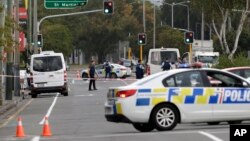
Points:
x=213, y=123
x=143, y=127
x=235, y=122
x=84, y=75
x=165, y=117
x=113, y=75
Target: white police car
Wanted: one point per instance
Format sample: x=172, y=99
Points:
x=162, y=100
x=118, y=71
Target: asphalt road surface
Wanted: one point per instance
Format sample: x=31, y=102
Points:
x=80, y=117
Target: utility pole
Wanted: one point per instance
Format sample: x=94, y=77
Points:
x=35, y=26
x=2, y=23
x=17, y=53
x=29, y=28
x=9, y=71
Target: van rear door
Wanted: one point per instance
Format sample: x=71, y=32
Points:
x=48, y=71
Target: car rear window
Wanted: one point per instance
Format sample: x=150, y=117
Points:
x=48, y=63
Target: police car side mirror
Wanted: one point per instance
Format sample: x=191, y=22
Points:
x=245, y=84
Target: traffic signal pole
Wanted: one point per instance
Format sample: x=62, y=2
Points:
x=141, y=52
x=62, y=15
x=190, y=53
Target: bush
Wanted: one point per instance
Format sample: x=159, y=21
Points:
x=239, y=60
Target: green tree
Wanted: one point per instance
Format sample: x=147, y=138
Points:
x=58, y=38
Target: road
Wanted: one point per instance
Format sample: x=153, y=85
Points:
x=80, y=117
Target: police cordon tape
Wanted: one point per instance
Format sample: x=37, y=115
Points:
x=75, y=78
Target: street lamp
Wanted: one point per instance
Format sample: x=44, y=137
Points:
x=172, y=9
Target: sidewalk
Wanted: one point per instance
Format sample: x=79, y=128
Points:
x=10, y=107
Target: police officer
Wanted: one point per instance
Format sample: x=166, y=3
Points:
x=166, y=65
x=139, y=70
x=107, y=69
x=92, y=75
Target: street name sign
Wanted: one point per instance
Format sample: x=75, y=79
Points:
x=64, y=4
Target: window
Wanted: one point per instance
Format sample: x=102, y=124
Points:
x=49, y=63
x=158, y=57
x=185, y=79
x=224, y=79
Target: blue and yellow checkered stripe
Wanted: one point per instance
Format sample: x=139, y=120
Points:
x=178, y=96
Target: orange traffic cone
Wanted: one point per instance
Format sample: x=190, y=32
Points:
x=78, y=75
x=46, y=128
x=19, y=128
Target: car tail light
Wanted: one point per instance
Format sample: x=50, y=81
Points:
x=65, y=76
x=125, y=93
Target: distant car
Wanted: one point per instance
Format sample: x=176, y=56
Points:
x=162, y=100
x=241, y=71
x=118, y=71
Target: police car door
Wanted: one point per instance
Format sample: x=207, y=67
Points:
x=190, y=95
x=233, y=98
x=100, y=70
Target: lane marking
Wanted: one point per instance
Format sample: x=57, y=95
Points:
x=50, y=109
x=15, y=114
x=84, y=95
x=36, y=138
x=214, y=138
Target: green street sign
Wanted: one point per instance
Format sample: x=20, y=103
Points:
x=63, y=4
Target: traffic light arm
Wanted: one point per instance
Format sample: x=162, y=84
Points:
x=62, y=15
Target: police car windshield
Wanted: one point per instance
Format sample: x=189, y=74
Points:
x=149, y=78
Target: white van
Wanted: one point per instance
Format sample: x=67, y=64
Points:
x=157, y=55
x=48, y=73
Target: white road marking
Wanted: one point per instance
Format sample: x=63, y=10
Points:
x=50, y=109
x=36, y=138
x=214, y=138
x=85, y=95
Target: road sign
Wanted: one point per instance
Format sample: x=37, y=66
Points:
x=63, y=4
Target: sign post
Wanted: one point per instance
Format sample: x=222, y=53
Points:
x=64, y=4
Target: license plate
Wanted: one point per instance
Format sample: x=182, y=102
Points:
x=40, y=85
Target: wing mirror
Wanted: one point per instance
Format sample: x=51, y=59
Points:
x=245, y=84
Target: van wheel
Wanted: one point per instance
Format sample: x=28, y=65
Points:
x=143, y=127
x=235, y=122
x=33, y=95
x=213, y=123
x=65, y=94
x=113, y=75
x=165, y=117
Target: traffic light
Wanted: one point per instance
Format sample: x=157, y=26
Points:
x=142, y=39
x=189, y=37
x=108, y=7
x=39, y=40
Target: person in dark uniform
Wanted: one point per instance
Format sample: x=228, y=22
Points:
x=139, y=70
x=92, y=75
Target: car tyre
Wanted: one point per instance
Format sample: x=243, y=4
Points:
x=143, y=127
x=65, y=93
x=165, y=117
x=213, y=123
x=235, y=122
x=85, y=76
x=113, y=75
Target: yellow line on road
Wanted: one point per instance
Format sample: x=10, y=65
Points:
x=15, y=114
